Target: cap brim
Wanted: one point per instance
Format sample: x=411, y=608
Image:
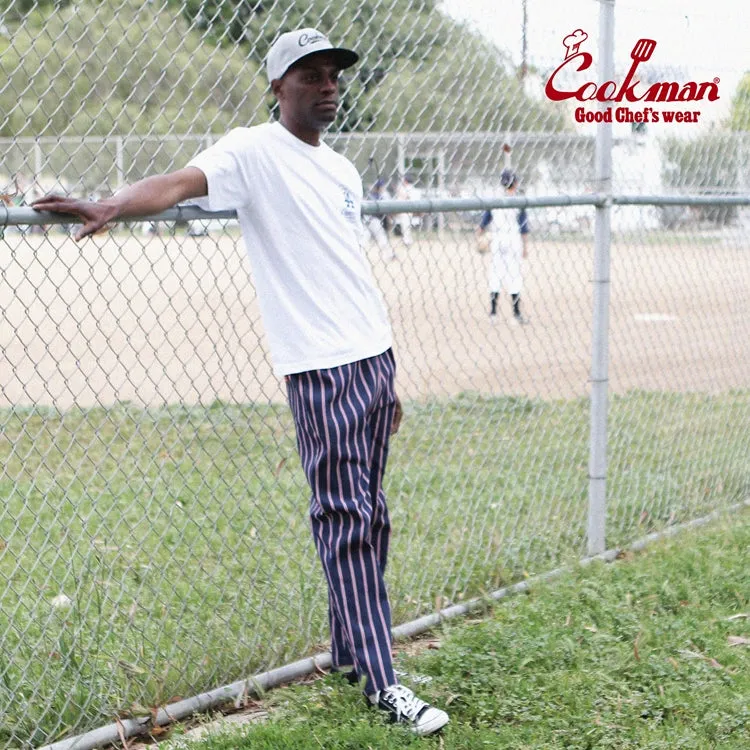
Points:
x=343, y=57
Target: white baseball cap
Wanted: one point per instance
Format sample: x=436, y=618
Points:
x=294, y=45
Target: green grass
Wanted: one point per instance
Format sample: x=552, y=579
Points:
x=181, y=534
x=637, y=654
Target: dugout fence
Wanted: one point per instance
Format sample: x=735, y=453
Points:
x=153, y=533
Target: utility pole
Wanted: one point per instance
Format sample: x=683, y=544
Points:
x=524, y=46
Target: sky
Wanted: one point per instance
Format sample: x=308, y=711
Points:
x=696, y=39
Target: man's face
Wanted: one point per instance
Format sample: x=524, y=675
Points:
x=308, y=93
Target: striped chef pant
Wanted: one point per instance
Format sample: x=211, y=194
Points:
x=343, y=417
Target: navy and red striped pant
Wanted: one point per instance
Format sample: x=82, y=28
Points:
x=343, y=417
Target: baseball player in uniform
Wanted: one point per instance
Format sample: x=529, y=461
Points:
x=298, y=203
x=508, y=248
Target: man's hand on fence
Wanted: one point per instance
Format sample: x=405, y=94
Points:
x=94, y=215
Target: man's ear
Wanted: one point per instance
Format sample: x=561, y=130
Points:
x=276, y=87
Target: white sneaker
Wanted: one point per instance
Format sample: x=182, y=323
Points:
x=405, y=708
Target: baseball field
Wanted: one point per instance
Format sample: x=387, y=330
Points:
x=159, y=320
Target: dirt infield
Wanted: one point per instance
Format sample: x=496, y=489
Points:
x=160, y=320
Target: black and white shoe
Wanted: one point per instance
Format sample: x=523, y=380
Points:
x=405, y=708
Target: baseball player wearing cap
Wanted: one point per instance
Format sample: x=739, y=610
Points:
x=298, y=203
x=508, y=246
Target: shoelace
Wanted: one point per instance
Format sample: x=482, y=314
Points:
x=403, y=701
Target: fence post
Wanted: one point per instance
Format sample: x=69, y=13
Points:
x=596, y=528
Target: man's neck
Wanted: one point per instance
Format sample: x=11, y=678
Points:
x=311, y=137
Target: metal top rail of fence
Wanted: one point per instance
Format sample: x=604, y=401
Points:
x=19, y=216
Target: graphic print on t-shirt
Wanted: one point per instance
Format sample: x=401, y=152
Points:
x=350, y=205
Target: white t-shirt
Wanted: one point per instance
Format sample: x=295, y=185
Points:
x=299, y=210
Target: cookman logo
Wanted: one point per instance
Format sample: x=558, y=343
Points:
x=306, y=39
x=631, y=89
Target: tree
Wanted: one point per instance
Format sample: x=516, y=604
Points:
x=706, y=165
x=95, y=67
x=419, y=68
x=739, y=118
x=15, y=10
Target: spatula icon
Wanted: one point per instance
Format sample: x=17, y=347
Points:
x=643, y=50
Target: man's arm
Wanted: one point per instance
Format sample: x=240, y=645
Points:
x=484, y=222
x=142, y=198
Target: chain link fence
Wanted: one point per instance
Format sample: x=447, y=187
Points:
x=153, y=533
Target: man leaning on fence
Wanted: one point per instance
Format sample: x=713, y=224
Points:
x=298, y=203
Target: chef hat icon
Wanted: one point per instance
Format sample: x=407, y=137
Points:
x=573, y=41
